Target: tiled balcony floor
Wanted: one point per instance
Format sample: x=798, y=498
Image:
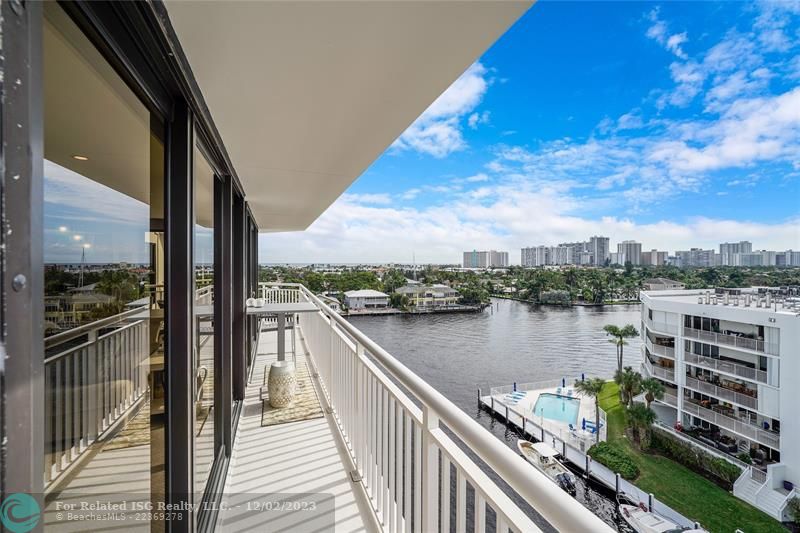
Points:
x=295, y=457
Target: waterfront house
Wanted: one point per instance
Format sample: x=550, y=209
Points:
x=729, y=362
x=430, y=296
x=366, y=299
x=333, y=303
x=180, y=131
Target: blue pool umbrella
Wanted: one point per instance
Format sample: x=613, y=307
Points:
x=583, y=424
x=563, y=382
x=583, y=376
x=515, y=386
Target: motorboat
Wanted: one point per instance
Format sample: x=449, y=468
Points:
x=545, y=459
x=643, y=520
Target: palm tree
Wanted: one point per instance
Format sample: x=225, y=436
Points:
x=630, y=384
x=640, y=417
x=592, y=387
x=654, y=390
x=620, y=334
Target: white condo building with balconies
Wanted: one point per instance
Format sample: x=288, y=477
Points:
x=730, y=362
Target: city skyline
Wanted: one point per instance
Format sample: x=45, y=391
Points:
x=682, y=129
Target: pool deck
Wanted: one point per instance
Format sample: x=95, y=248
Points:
x=524, y=406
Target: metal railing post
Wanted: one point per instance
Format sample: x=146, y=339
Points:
x=430, y=471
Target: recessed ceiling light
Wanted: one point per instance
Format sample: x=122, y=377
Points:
x=80, y=157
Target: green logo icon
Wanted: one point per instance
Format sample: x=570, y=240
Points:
x=19, y=513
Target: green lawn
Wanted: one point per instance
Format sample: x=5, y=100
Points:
x=688, y=493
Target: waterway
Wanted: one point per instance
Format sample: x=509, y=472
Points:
x=509, y=342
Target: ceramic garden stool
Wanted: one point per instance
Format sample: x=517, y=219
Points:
x=281, y=384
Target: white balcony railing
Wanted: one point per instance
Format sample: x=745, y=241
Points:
x=731, y=340
x=654, y=370
x=657, y=349
x=91, y=380
x=661, y=327
x=392, y=422
x=670, y=399
x=767, y=438
x=735, y=369
x=723, y=393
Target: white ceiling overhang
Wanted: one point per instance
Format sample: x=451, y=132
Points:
x=306, y=95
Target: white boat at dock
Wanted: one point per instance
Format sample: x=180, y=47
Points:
x=642, y=520
x=545, y=459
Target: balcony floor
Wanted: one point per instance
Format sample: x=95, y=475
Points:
x=296, y=457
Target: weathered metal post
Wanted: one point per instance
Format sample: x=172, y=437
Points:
x=616, y=483
x=588, y=465
x=650, y=499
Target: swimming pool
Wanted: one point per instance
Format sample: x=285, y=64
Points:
x=558, y=408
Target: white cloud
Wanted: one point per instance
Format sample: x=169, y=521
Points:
x=350, y=232
x=478, y=118
x=410, y=194
x=379, y=199
x=477, y=178
x=438, y=131
x=659, y=32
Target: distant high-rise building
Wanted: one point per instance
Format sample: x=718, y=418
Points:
x=630, y=252
x=575, y=251
x=599, y=248
x=654, y=258
x=616, y=258
x=728, y=249
x=498, y=259
x=485, y=259
x=695, y=257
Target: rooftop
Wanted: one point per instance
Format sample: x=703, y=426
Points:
x=741, y=299
x=366, y=293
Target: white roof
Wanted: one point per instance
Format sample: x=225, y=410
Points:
x=366, y=293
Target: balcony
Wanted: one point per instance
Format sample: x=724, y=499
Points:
x=661, y=327
x=659, y=371
x=742, y=427
x=728, y=367
x=378, y=445
x=736, y=341
x=724, y=393
x=670, y=398
x=658, y=349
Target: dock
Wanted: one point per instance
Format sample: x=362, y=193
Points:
x=571, y=444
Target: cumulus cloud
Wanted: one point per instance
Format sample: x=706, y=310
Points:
x=438, y=131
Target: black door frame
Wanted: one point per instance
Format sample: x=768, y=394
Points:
x=137, y=39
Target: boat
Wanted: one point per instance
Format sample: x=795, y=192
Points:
x=642, y=520
x=544, y=458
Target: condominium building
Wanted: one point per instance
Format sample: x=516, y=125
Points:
x=728, y=249
x=546, y=255
x=599, y=247
x=575, y=250
x=730, y=362
x=485, y=259
x=629, y=252
x=695, y=257
x=654, y=258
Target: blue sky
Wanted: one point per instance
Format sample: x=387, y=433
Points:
x=676, y=124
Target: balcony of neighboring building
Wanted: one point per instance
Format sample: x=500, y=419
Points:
x=738, y=335
x=659, y=367
x=753, y=368
x=744, y=423
x=723, y=387
x=660, y=345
